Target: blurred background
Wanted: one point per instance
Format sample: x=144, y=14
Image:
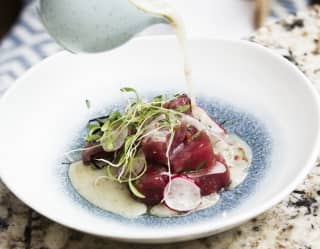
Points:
x=24, y=42
x=8, y=14
x=226, y=18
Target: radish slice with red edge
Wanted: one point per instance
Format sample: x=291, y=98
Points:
x=182, y=194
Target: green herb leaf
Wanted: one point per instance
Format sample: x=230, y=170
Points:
x=114, y=116
x=122, y=134
x=111, y=122
x=128, y=89
x=93, y=128
x=132, y=90
x=92, y=138
x=183, y=108
x=159, y=98
x=88, y=104
x=107, y=143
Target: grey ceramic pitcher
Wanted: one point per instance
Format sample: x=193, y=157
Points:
x=94, y=25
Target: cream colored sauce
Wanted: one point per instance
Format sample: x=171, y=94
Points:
x=162, y=210
x=116, y=198
x=108, y=195
x=238, y=157
x=163, y=8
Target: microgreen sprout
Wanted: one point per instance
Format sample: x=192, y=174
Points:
x=122, y=134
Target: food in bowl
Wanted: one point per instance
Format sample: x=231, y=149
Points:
x=165, y=157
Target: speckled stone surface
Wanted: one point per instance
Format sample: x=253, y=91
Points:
x=294, y=223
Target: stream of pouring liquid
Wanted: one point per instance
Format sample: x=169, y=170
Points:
x=162, y=8
x=179, y=27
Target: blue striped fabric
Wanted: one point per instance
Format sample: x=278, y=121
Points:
x=25, y=45
x=288, y=6
x=28, y=43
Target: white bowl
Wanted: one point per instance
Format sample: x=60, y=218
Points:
x=269, y=101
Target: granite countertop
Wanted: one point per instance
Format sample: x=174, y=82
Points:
x=294, y=223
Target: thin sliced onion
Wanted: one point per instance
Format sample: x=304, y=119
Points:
x=219, y=168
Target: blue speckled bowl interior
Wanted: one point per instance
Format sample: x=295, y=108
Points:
x=243, y=124
x=258, y=96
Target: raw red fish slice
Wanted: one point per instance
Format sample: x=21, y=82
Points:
x=155, y=146
x=191, y=150
x=180, y=134
x=213, y=181
x=93, y=151
x=152, y=185
x=155, y=151
x=193, y=155
x=180, y=101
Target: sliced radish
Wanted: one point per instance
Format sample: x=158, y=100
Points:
x=115, y=140
x=182, y=194
x=152, y=185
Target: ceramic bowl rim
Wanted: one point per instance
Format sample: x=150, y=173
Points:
x=206, y=229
